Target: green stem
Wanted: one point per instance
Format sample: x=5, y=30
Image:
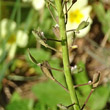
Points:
x=65, y=54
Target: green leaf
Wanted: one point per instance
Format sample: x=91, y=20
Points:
x=81, y=78
x=17, y=103
x=103, y=17
x=99, y=98
x=55, y=62
x=51, y=94
x=40, y=54
x=3, y=68
x=100, y=12
x=15, y=97
x=39, y=106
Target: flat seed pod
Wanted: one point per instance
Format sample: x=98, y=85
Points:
x=62, y=106
x=39, y=35
x=45, y=67
x=96, y=79
x=82, y=25
x=56, y=31
x=32, y=58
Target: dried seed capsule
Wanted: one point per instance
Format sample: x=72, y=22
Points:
x=46, y=69
x=96, y=79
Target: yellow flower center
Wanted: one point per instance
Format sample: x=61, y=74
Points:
x=12, y=39
x=75, y=16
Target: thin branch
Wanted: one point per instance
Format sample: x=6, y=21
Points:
x=89, y=83
x=70, y=105
x=71, y=30
x=54, y=40
x=73, y=1
x=53, y=48
x=65, y=3
x=69, y=8
x=50, y=3
x=87, y=99
x=61, y=85
x=52, y=14
x=105, y=39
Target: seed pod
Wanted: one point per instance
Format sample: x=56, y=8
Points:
x=45, y=67
x=56, y=31
x=96, y=79
x=39, y=35
x=82, y=25
x=65, y=107
x=32, y=58
x=62, y=106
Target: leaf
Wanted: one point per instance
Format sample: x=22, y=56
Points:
x=51, y=94
x=3, y=68
x=17, y=103
x=103, y=16
x=15, y=97
x=55, y=62
x=98, y=99
x=81, y=78
x=40, y=106
x=100, y=11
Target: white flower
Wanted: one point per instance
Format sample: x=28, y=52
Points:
x=37, y=4
x=79, y=12
x=16, y=37
x=27, y=0
x=21, y=38
x=5, y=25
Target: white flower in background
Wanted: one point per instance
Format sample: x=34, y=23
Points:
x=37, y=4
x=79, y=12
x=27, y=0
x=16, y=37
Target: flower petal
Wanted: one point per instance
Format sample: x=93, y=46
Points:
x=80, y=12
x=86, y=10
x=12, y=51
x=7, y=25
x=22, y=39
x=27, y=0
x=79, y=4
x=38, y=4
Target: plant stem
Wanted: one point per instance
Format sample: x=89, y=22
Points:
x=65, y=54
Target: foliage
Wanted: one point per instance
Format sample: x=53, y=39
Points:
x=104, y=17
x=17, y=103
